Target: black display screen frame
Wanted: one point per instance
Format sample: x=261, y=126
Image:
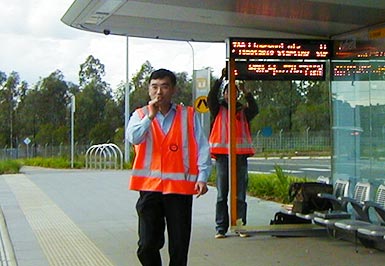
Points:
x=270, y=48
x=278, y=70
x=357, y=70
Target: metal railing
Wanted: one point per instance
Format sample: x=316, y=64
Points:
x=103, y=156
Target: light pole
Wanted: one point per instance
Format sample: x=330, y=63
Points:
x=11, y=120
x=72, y=128
x=193, y=73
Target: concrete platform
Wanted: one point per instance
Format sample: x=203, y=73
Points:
x=88, y=217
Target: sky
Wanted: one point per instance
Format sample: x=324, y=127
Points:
x=34, y=42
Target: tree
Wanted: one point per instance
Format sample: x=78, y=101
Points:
x=53, y=100
x=44, y=110
x=4, y=110
x=291, y=106
x=139, y=86
x=12, y=92
x=184, y=89
x=92, y=122
x=277, y=101
x=314, y=111
x=92, y=71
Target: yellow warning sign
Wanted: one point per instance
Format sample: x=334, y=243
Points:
x=200, y=104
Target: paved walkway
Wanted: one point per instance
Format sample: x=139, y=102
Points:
x=87, y=217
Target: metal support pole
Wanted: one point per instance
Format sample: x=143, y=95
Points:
x=126, y=106
x=232, y=142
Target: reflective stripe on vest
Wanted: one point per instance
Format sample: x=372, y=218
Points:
x=219, y=136
x=167, y=162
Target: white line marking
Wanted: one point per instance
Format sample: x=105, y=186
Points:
x=316, y=169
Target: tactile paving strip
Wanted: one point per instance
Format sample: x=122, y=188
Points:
x=61, y=240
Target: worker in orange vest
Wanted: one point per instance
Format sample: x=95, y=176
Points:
x=172, y=163
x=219, y=147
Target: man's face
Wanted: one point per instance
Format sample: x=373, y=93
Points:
x=161, y=89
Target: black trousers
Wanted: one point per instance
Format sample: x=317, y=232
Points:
x=155, y=212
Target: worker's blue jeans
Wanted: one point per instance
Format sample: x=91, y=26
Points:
x=222, y=182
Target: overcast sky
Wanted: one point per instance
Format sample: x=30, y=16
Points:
x=34, y=42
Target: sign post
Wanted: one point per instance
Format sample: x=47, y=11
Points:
x=202, y=87
x=27, y=141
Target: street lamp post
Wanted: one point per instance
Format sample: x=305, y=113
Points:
x=193, y=71
x=307, y=137
x=72, y=129
x=11, y=120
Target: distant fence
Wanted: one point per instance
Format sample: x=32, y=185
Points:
x=280, y=142
x=47, y=150
x=290, y=142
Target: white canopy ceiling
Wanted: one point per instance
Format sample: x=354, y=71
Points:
x=215, y=21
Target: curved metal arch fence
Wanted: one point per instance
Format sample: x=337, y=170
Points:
x=104, y=156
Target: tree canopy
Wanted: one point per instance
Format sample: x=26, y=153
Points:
x=42, y=112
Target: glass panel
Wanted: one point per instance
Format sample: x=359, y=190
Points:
x=358, y=100
x=376, y=157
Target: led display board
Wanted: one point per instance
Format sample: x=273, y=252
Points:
x=279, y=70
x=358, y=49
x=263, y=48
x=358, y=71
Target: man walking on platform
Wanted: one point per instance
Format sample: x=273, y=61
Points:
x=172, y=163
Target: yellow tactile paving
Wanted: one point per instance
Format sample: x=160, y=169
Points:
x=61, y=240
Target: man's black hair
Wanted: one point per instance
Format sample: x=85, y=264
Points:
x=162, y=73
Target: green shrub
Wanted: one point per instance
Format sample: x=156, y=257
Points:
x=10, y=167
x=273, y=187
x=52, y=162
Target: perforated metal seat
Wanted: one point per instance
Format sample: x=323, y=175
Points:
x=363, y=218
x=361, y=194
x=373, y=234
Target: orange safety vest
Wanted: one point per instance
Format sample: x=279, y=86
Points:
x=167, y=163
x=219, y=136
